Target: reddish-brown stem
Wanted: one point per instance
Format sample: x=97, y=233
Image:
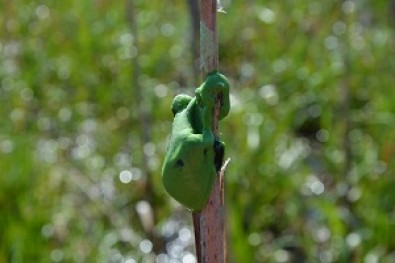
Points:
x=209, y=223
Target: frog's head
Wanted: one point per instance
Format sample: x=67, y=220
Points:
x=180, y=102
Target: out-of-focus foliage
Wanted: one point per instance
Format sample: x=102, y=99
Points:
x=85, y=92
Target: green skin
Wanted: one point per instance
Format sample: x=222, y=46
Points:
x=189, y=169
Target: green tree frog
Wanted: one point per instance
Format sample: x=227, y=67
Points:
x=193, y=154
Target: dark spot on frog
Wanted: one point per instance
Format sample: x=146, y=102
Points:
x=180, y=163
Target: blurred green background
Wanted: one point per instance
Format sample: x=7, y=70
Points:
x=85, y=95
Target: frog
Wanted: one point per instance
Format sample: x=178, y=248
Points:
x=194, y=154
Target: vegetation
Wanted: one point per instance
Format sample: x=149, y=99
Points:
x=85, y=92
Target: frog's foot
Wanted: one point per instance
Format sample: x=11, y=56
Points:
x=219, y=93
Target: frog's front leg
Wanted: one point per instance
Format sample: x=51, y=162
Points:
x=215, y=86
